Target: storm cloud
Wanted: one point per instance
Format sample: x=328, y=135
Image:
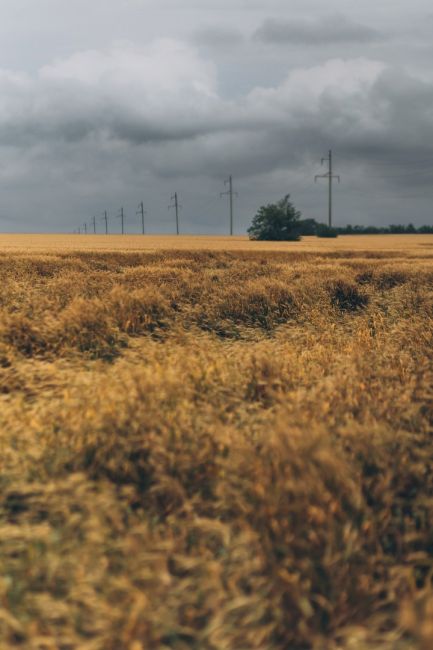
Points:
x=218, y=37
x=112, y=124
x=358, y=104
x=316, y=31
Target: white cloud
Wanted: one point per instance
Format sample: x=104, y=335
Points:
x=164, y=65
x=166, y=93
x=159, y=91
x=304, y=88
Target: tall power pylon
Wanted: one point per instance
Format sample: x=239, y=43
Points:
x=177, y=207
x=85, y=228
x=121, y=216
x=142, y=211
x=105, y=218
x=230, y=194
x=330, y=176
x=94, y=225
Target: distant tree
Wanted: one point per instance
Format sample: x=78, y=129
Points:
x=372, y=230
x=276, y=222
x=307, y=227
x=384, y=230
x=397, y=229
x=323, y=230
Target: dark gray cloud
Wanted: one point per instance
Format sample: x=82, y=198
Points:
x=214, y=37
x=334, y=29
x=156, y=97
x=82, y=136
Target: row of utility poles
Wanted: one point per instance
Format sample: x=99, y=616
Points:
x=175, y=205
x=84, y=229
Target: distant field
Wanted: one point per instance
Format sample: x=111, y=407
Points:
x=412, y=244
x=225, y=449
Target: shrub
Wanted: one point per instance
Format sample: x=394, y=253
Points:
x=322, y=230
x=276, y=222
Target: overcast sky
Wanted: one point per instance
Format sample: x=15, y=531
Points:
x=105, y=103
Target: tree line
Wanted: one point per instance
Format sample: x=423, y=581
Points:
x=282, y=222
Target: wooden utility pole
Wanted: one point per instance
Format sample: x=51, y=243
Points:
x=121, y=216
x=105, y=218
x=330, y=176
x=177, y=207
x=142, y=211
x=230, y=194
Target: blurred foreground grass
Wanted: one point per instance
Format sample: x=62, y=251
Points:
x=216, y=450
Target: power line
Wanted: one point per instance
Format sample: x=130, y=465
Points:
x=330, y=176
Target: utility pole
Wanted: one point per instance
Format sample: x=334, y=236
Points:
x=105, y=218
x=79, y=231
x=94, y=225
x=85, y=228
x=142, y=211
x=330, y=176
x=177, y=207
x=121, y=216
x=230, y=194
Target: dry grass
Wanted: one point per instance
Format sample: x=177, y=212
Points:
x=417, y=245
x=216, y=450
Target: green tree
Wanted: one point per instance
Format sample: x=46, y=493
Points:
x=323, y=230
x=308, y=227
x=276, y=222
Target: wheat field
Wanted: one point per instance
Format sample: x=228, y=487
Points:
x=216, y=444
x=418, y=245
